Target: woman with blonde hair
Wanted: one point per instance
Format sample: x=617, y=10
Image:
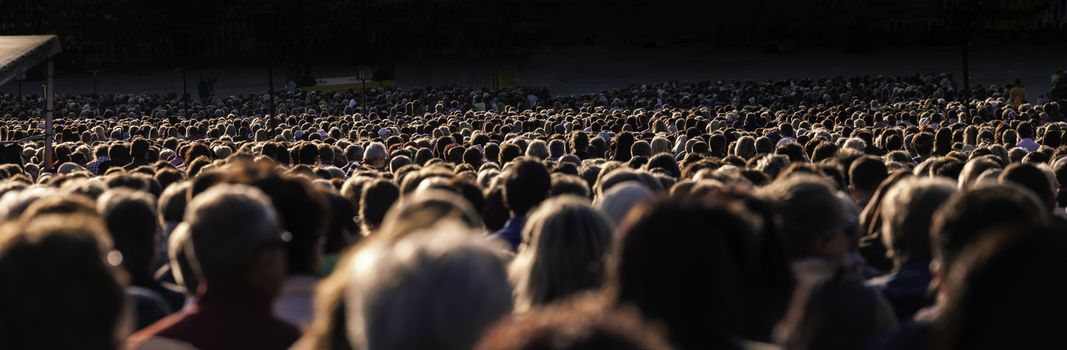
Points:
x=565, y=255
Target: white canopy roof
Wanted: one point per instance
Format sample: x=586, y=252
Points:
x=20, y=53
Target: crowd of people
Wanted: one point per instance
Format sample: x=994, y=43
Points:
x=847, y=213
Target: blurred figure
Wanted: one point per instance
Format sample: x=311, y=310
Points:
x=526, y=184
x=830, y=289
x=965, y=219
x=61, y=284
x=674, y=265
x=436, y=289
x=1007, y=292
x=907, y=212
x=565, y=255
x=580, y=324
x=238, y=249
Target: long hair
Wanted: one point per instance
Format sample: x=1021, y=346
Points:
x=568, y=240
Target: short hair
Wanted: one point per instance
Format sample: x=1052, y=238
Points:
x=374, y=153
x=228, y=227
x=406, y=295
x=526, y=184
x=567, y=242
x=508, y=152
x=537, y=149
x=641, y=148
x=377, y=197
x=569, y=184
x=866, y=173
x=974, y=169
x=907, y=211
x=60, y=283
x=970, y=215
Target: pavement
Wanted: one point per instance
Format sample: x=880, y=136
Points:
x=586, y=70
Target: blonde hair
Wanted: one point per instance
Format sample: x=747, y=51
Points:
x=567, y=242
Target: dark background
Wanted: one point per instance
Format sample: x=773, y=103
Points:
x=140, y=34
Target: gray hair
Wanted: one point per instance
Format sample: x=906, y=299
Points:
x=228, y=225
x=856, y=144
x=435, y=289
x=374, y=153
x=661, y=145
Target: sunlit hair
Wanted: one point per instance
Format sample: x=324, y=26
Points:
x=907, y=211
x=228, y=226
x=438, y=288
x=537, y=149
x=567, y=242
x=426, y=208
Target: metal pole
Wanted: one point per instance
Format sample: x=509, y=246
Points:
x=270, y=87
x=96, y=95
x=49, y=92
x=363, y=96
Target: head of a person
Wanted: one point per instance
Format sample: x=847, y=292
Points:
x=537, y=149
x=1004, y=292
x=974, y=169
x=1031, y=177
x=377, y=197
x=425, y=208
x=557, y=148
x=181, y=261
x=236, y=239
x=526, y=183
x=303, y=212
x=865, y=174
x=813, y=219
x=968, y=216
x=132, y=221
x=565, y=255
x=580, y=324
x=61, y=284
x=375, y=154
x=661, y=249
x=907, y=210
x=407, y=294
